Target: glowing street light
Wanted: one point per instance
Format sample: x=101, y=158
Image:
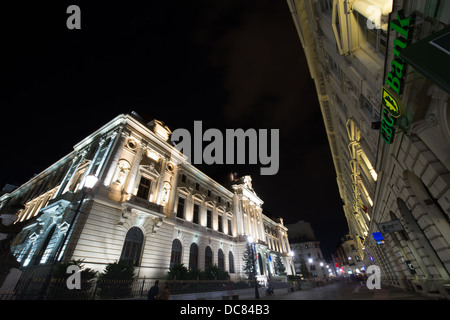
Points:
x=90, y=182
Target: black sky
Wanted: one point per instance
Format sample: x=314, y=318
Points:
x=231, y=64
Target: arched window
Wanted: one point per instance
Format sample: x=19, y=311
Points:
x=175, y=257
x=221, y=260
x=131, y=251
x=208, y=257
x=231, y=261
x=260, y=262
x=193, y=257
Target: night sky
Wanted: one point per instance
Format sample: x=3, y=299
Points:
x=230, y=64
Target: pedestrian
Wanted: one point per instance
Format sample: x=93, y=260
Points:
x=166, y=292
x=153, y=292
x=269, y=289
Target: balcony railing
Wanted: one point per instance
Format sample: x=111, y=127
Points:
x=145, y=204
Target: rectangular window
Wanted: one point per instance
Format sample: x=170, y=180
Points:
x=180, y=207
x=183, y=178
x=230, y=232
x=196, y=216
x=220, y=223
x=209, y=218
x=144, y=188
x=375, y=37
x=175, y=258
x=197, y=186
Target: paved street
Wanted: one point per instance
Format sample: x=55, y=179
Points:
x=341, y=291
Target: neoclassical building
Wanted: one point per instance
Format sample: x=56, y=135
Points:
x=376, y=65
x=149, y=207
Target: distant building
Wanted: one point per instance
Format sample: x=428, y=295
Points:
x=150, y=207
x=349, y=261
x=306, y=250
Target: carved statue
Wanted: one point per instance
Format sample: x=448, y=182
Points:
x=166, y=192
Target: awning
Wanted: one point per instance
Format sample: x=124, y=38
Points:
x=431, y=57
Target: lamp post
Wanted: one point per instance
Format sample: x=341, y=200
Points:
x=250, y=240
x=89, y=183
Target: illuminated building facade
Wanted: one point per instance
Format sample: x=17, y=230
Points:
x=149, y=207
x=387, y=122
x=348, y=258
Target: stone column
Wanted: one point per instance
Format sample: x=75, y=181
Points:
x=114, y=157
x=75, y=163
x=100, y=167
x=91, y=165
x=135, y=167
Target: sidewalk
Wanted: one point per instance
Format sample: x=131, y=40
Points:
x=335, y=291
x=343, y=291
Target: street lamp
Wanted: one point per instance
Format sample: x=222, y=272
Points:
x=89, y=183
x=250, y=241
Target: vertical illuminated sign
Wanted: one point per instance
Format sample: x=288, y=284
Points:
x=390, y=99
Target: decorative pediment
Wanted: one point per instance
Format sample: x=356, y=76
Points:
x=63, y=227
x=184, y=191
x=199, y=197
x=210, y=203
x=150, y=170
x=33, y=237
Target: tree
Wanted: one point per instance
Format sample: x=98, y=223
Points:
x=177, y=272
x=213, y=272
x=248, y=258
x=194, y=274
x=279, y=266
x=116, y=281
x=59, y=290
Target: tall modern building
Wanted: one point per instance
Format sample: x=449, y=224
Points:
x=149, y=207
x=381, y=70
